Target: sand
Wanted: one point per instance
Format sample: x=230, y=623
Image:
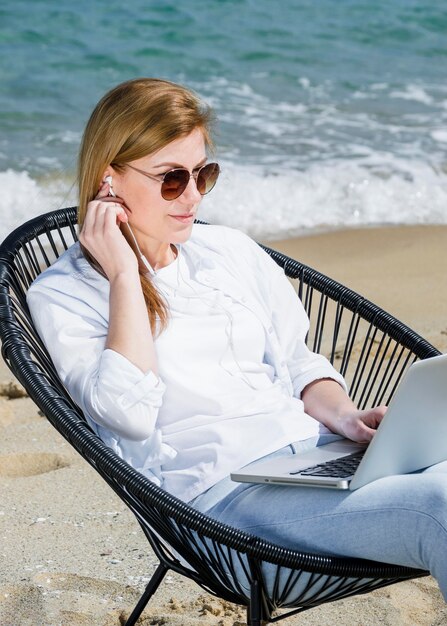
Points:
x=72, y=554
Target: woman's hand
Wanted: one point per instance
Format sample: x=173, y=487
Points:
x=326, y=401
x=102, y=237
x=359, y=425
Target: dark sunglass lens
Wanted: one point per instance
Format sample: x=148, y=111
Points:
x=174, y=184
x=207, y=178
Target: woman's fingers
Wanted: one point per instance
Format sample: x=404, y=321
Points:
x=102, y=237
x=104, y=195
x=112, y=215
x=102, y=221
x=373, y=417
x=121, y=215
x=98, y=209
x=361, y=425
x=103, y=191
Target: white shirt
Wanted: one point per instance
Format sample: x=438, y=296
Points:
x=232, y=362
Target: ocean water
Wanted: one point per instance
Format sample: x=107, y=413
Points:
x=331, y=114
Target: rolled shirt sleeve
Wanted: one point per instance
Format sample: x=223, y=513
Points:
x=119, y=396
x=72, y=320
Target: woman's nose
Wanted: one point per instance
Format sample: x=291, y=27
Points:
x=191, y=193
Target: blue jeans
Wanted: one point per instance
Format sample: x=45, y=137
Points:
x=399, y=519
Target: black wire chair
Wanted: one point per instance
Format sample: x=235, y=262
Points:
x=369, y=347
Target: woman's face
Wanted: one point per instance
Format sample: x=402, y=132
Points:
x=154, y=220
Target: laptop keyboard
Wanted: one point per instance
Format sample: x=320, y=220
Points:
x=337, y=468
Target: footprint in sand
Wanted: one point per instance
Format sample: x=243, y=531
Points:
x=83, y=584
x=75, y=599
x=30, y=464
x=18, y=602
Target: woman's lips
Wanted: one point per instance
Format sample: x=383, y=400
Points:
x=184, y=219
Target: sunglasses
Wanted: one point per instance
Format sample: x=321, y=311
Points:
x=174, y=182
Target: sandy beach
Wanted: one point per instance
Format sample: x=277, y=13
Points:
x=72, y=554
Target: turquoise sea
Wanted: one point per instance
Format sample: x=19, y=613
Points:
x=332, y=112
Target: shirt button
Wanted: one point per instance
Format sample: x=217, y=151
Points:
x=270, y=330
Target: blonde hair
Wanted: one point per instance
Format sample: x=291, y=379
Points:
x=133, y=120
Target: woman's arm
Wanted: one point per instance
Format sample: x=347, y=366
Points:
x=69, y=305
x=328, y=403
x=315, y=381
x=97, y=332
x=129, y=331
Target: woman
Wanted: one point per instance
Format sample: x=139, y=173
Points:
x=184, y=345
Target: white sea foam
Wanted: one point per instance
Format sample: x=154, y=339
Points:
x=272, y=205
x=325, y=197
x=323, y=125
x=23, y=197
x=413, y=92
x=439, y=135
x=64, y=136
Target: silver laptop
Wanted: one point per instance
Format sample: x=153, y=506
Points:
x=411, y=436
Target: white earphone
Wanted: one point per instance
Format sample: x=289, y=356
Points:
x=147, y=265
x=109, y=180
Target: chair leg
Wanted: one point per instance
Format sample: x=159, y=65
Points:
x=254, y=611
x=151, y=588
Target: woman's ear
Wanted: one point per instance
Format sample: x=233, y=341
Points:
x=108, y=178
x=109, y=171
